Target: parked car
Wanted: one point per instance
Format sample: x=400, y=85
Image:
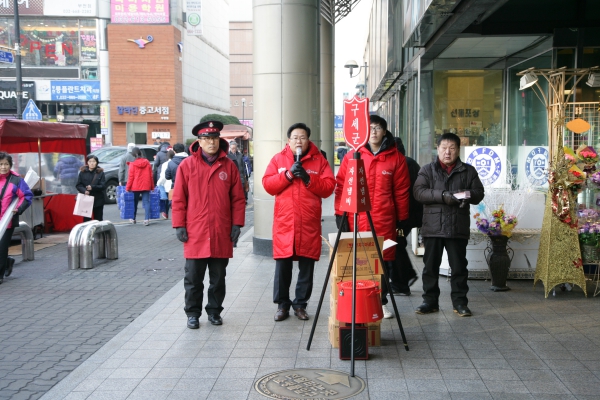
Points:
x=110, y=158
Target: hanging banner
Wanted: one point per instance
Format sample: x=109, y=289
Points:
x=88, y=45
x=356, y=122
x=490, y=163
x=194, y=17
x=139, y=11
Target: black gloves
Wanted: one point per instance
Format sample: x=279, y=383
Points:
x=299, y=172
x=235, y=233
x=181, y=234
x=339, y=220
x=450, y=199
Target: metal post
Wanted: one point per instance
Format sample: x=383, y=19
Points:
x=19, y=82
x=365, y=92
x=243, y=110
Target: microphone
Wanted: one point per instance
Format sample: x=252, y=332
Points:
x=298, y=153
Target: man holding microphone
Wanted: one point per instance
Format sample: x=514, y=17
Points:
x=299, y=177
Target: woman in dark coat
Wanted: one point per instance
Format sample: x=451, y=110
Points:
x=91, y=181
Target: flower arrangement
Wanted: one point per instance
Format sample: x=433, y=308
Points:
x=570, y=154
x=587, y=155
x=499, y=224
x=588, y=227
x=595, y=178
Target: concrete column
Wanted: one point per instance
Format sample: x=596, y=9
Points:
x=286, y=69
x=327, y=88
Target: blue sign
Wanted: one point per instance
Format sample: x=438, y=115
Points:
x=338, y=121
x=487, y=163
x=31, y=112
x=75, y=90
x=536, y=166
x=6, y=57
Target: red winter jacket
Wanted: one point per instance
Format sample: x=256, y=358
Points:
x=297, y=217
x=208, y=201
x=388, y=182
x=140, y=176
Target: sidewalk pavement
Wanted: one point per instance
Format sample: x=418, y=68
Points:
x=517, y=345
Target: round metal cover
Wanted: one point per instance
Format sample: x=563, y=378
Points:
x=309, y=383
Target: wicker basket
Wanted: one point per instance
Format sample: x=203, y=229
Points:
x=589, y=254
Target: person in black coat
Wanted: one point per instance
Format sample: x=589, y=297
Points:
x=91, y=181
x=403, y=275
x=446, y=222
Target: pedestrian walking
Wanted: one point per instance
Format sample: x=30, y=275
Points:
x=180, y=155
x=403, y=275
x=388, y=182
x=13, y=186
x=208, y=213
x=160, y=158
x=235, y=156
x=91, y=182
x=299, y=185
x=124, y=165
x=446, y=222
x=140, y=182
x=67, y=169
x=164, y=187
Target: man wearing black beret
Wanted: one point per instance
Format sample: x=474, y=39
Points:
x=208, y=212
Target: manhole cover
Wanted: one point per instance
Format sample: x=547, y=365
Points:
x=309, y=383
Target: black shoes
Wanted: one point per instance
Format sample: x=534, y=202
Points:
x=462, y=311
x=412, y=280
x=281, y=314
x=9, y=266
x=215, y=319
x=301, y=314
x=427, y=308
x=193, y=323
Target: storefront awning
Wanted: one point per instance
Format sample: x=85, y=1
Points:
x=236, y=131
x=18, y=136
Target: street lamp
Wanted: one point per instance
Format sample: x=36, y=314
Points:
x=243, y=110
x=18, y=75
x=353, y=64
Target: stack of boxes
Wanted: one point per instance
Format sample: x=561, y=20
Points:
x=368, y=267
x=126, y=204
x=155, y=204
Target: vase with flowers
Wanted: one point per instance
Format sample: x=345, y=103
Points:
x=498, y=227
x=588, y=230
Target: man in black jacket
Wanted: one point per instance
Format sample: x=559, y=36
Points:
x=446, y=187
x=180, y=155
x=403, y=274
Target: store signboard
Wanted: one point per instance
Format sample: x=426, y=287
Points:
x=88, y=45
x=26, y=7
x=104, y=120
x=194, y=17
x=139, y=11
x=533, y=164
x=8, y=94
x=338, y=121
x=75, y=90
x=96, y=142
x=490, y=163
x=71, y=8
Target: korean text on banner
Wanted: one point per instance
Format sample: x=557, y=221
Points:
x=356, y=122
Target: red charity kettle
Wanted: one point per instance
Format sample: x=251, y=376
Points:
x=368, y=302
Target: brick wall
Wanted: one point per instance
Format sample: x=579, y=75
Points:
x=148, y=77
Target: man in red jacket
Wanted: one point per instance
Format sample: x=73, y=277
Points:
x=388, y=182
x=208, y=211
x=299, y=177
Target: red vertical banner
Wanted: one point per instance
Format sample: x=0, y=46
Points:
x=356, y=122
x=355, y=196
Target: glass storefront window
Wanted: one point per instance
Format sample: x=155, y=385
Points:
x=50, y=42
x=469, y=104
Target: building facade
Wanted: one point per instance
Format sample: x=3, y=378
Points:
x=132, y=70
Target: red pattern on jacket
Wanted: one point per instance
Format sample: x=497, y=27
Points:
x=140, y=176
x=297, y=215
x=208, y=201
x=388, y=192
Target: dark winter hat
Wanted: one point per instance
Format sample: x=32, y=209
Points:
x=208, y=128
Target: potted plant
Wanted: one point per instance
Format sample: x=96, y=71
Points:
x=498, y=227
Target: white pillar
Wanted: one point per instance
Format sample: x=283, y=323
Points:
x=327, y=88
x=286, y=68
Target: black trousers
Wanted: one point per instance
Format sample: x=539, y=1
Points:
x=389, y=266
x=402, y=270
x=4, y=245
x=283, y=280
x=193, y=282
x=98, y=213
x=457, y=257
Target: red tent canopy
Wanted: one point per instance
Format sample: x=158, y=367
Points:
x=18, y=136
x=236, y=131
